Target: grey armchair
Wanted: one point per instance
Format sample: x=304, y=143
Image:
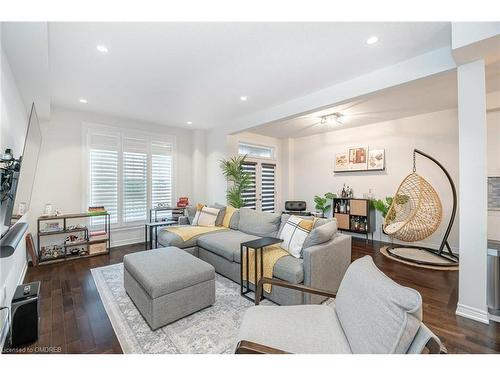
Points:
x=371, y=314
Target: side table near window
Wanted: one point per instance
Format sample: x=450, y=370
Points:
x=258, y=245
x=152, y=230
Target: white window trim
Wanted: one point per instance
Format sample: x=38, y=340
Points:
x=256, y=158
x=87, y=128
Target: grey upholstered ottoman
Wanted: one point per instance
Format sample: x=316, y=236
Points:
x=167, y=284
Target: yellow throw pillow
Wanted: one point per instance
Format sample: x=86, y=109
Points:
x=230, y=210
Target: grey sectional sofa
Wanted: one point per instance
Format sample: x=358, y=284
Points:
x=325, y=257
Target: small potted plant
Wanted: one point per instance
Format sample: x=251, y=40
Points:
x=322, y=204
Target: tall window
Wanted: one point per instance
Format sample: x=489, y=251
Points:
x=128, y=174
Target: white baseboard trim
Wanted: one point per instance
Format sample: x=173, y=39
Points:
x=127, y=241
x=6, y=326
x=472, y=313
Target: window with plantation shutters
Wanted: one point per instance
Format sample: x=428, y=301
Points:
x=267, y=187
x=250, y=195
x=129, y=173
x=103, y=174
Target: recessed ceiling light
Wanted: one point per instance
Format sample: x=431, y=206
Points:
x=243, y=98
x=189, y=123
x=82, y=100
x=102, y=48
x=372, y=40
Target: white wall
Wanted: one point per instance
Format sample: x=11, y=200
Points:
x=216, y=150
x=434, y=133
x=60, y=178
x=14, y=121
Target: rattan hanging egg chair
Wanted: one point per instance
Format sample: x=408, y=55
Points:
x=415, y=213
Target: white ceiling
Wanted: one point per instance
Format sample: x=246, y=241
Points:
x=171, y=73
x=430, y=94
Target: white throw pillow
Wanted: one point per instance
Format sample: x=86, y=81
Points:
x=206, y=217
x=294, y=233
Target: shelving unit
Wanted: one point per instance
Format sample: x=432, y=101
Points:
x=359, y=210
x=87, y=241
x=175, y=213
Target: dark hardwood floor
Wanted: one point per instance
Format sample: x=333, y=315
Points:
x=73, y=317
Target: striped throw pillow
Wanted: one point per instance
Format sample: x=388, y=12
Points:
x=205, y=216
x=294, y=233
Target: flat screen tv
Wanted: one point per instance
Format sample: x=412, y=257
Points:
x=18, y=175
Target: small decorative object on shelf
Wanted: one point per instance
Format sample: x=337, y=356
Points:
x=51, y=227
x=183, y=202
x=48, y=209
x=21, y=210
x=78, y=241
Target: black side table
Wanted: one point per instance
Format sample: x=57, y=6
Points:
x=149, y=227
x=258, y=245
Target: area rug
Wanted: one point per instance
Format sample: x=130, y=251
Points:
x=418, y=255
x=211, y=330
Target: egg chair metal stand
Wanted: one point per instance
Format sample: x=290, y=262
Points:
x=421, y=218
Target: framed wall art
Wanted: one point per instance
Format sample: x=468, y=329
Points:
x=376, y=160
x=341, y=162
x=357, y=159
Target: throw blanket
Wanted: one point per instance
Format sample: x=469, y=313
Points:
x=271, y=255
x=189, y=231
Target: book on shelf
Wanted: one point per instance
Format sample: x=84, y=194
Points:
x=96, y=210
x=98, y=235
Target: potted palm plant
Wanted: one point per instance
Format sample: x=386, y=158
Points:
x=238, y=180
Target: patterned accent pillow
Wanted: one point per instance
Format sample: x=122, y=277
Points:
x=294, y=233
x=205, y=216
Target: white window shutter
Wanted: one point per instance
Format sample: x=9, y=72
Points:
x=135, y=180
x=103, y=174
x=161, y=174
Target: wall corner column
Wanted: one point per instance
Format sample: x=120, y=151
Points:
x=473, y=205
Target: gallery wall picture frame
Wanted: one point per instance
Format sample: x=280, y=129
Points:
x=360, y=158
x=341, y=162
x=376, y=160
